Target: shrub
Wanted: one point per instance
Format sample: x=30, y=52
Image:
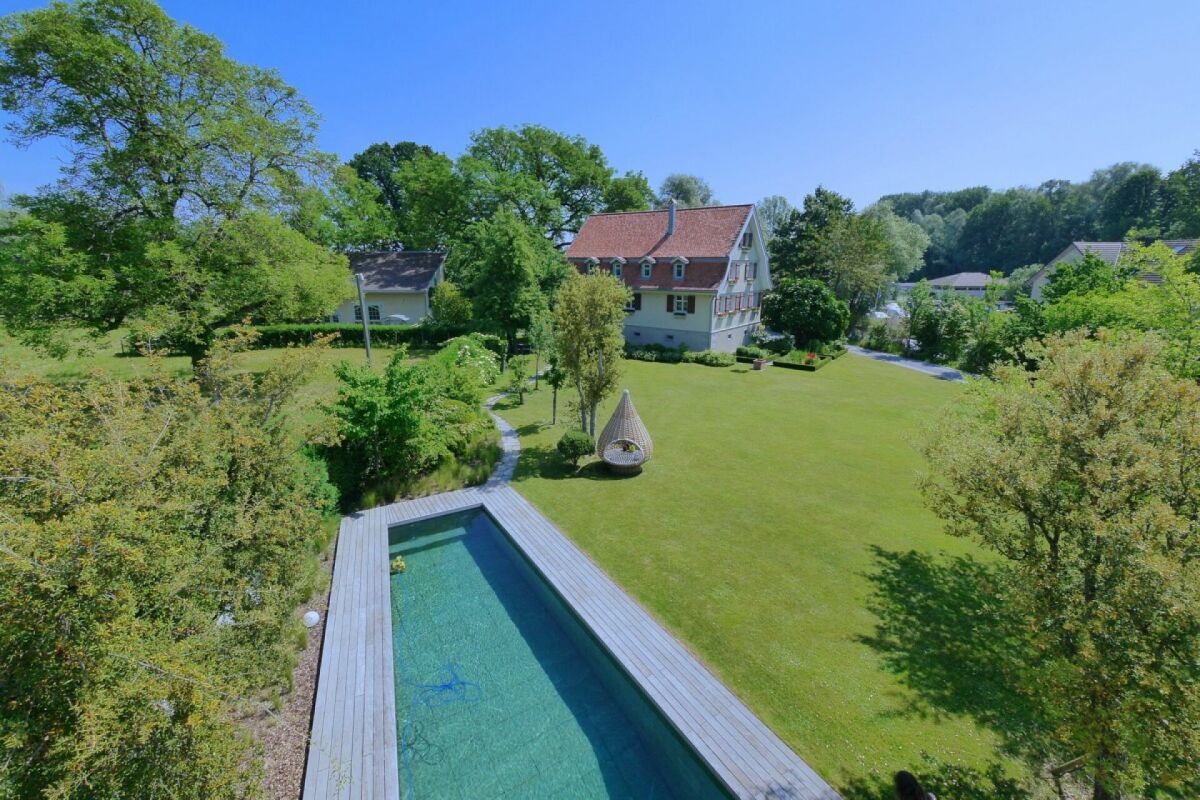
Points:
x=781, y=345
x=709, y=358
x=575, y=445
x=753, y=352
x=653, y=352
x=349, y=334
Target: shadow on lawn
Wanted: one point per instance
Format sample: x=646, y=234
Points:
x=946, y=629
x=944, y=780
x=547, y=462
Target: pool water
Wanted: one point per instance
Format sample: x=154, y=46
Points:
x=501, y=692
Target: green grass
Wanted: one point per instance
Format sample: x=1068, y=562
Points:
x=778, y=531
x=105, y=357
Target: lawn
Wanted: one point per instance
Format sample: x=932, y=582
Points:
x=779, y=532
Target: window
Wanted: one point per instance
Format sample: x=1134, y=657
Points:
x=678, y=269
x=734, y=268
x=747, y=240
x=590, y=265
x=616, y=270
x=751, y=270
x=333, y=318
x=680, y=304
x=634, y=303
x=647, y=267
x=373, y=314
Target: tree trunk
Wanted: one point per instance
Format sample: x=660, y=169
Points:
x=592, y=431
x=537, y=367
x=554, y=408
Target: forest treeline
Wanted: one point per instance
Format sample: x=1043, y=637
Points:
x=981, y=229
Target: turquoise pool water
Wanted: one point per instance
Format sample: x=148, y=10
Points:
x=501, y=692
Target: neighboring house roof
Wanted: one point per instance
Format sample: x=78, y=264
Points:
x=709, y=232
x=963, y=280
x=1110, y=252
x=400, y=271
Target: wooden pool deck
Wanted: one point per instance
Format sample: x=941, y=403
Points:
x=352, y=749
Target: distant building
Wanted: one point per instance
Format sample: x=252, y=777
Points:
x=396, y=285
x=972, y=284
x=697, y=275
x=1109, y=251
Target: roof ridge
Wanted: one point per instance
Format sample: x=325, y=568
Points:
x=679, y=210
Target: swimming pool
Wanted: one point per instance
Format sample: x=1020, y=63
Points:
x=502, y=692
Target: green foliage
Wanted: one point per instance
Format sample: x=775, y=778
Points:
x=503, y=262
x=346, y=214
x=688, y=191
x=518, y=377
x=1169, y=307
x=806, y=309
x=393, y=427
x=654, y=352
x=176, y=149
x=772, y=211
x=826, y=241
x=1089, y=274
x=753, y=352
x=630, y=192
x=575, y=445
x=1085, y=478
x=590, y=320
x=379, y=163
x=907, y=241
x=449, y=306
x=146, y=516
x=347, y=334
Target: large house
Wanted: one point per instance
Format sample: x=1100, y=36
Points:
x=697, y=275
x=396, y=286
x=1109, y=251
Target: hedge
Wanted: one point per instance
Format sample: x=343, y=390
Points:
x=350, y=334
x=667, y=355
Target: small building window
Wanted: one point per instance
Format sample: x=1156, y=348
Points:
x=680, y=304
x=751, y=270
x=747, y=240
x=647, y=268
x=373, y=314
x=616, y=269
x=678, y=267
x=589, y=265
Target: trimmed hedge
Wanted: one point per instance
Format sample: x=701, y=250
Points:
x=350, y=334
x=668, y=355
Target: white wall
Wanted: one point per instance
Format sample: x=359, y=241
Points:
x=414, y=305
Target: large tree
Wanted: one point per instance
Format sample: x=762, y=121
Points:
x=807, y=309
x=589, y=321
x=379, y=164
x=502, y=261
x=345, y=214
x=688, y=191
x=907, y=241
x=176, y=152
x=773, y=211
x=1085, y=477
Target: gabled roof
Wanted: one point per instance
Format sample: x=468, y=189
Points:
x=963, y=280
x=709, y=232
x=400, y=271
x=1111, y=251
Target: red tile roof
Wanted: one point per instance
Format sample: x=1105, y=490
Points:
x=709, y=232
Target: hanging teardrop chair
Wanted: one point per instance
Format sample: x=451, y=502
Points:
x=624, y=444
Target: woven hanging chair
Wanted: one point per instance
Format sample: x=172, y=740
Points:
x=625, y=444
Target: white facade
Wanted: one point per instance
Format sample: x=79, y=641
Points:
x=383, y=306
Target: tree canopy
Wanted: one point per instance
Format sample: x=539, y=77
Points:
x=1085, y=477
x=589, y=321
x=688, y=191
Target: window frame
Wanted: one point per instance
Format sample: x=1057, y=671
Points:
x=678, y=269
x=747, y=242
x=680, y=304
x=647, y=269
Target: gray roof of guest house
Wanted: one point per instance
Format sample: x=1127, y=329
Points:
x=400, y=271
x=963, y=280
x=1111, y=251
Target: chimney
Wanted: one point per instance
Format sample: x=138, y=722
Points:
x=671, y=217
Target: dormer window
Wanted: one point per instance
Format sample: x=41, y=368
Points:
x=618, y=267
x=591, y=264
x=747, y=240
x=677, y=268
x=647, y=268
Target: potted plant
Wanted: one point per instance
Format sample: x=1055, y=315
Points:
x=760, y=362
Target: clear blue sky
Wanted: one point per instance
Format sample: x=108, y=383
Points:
x=756, y=97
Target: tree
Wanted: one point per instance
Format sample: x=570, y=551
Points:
x=541, y=336
x=688, y=191
x=806, y=309
x=147, y=608
x=1085, y=478
x=1135, y=202
x=345, y=215
x=575, y=445
x=449, y=306
x=772, y=212
x=176, y=149
x=500, y=260
x=154, y=114
x=551, y=180
x=1181, y=200
x=436, y=202
x=210, y=275
x=379, y=163
x=907, y=241
x=630, y=192
x=827, y=241
x=590, y=320
x=1088, y=274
